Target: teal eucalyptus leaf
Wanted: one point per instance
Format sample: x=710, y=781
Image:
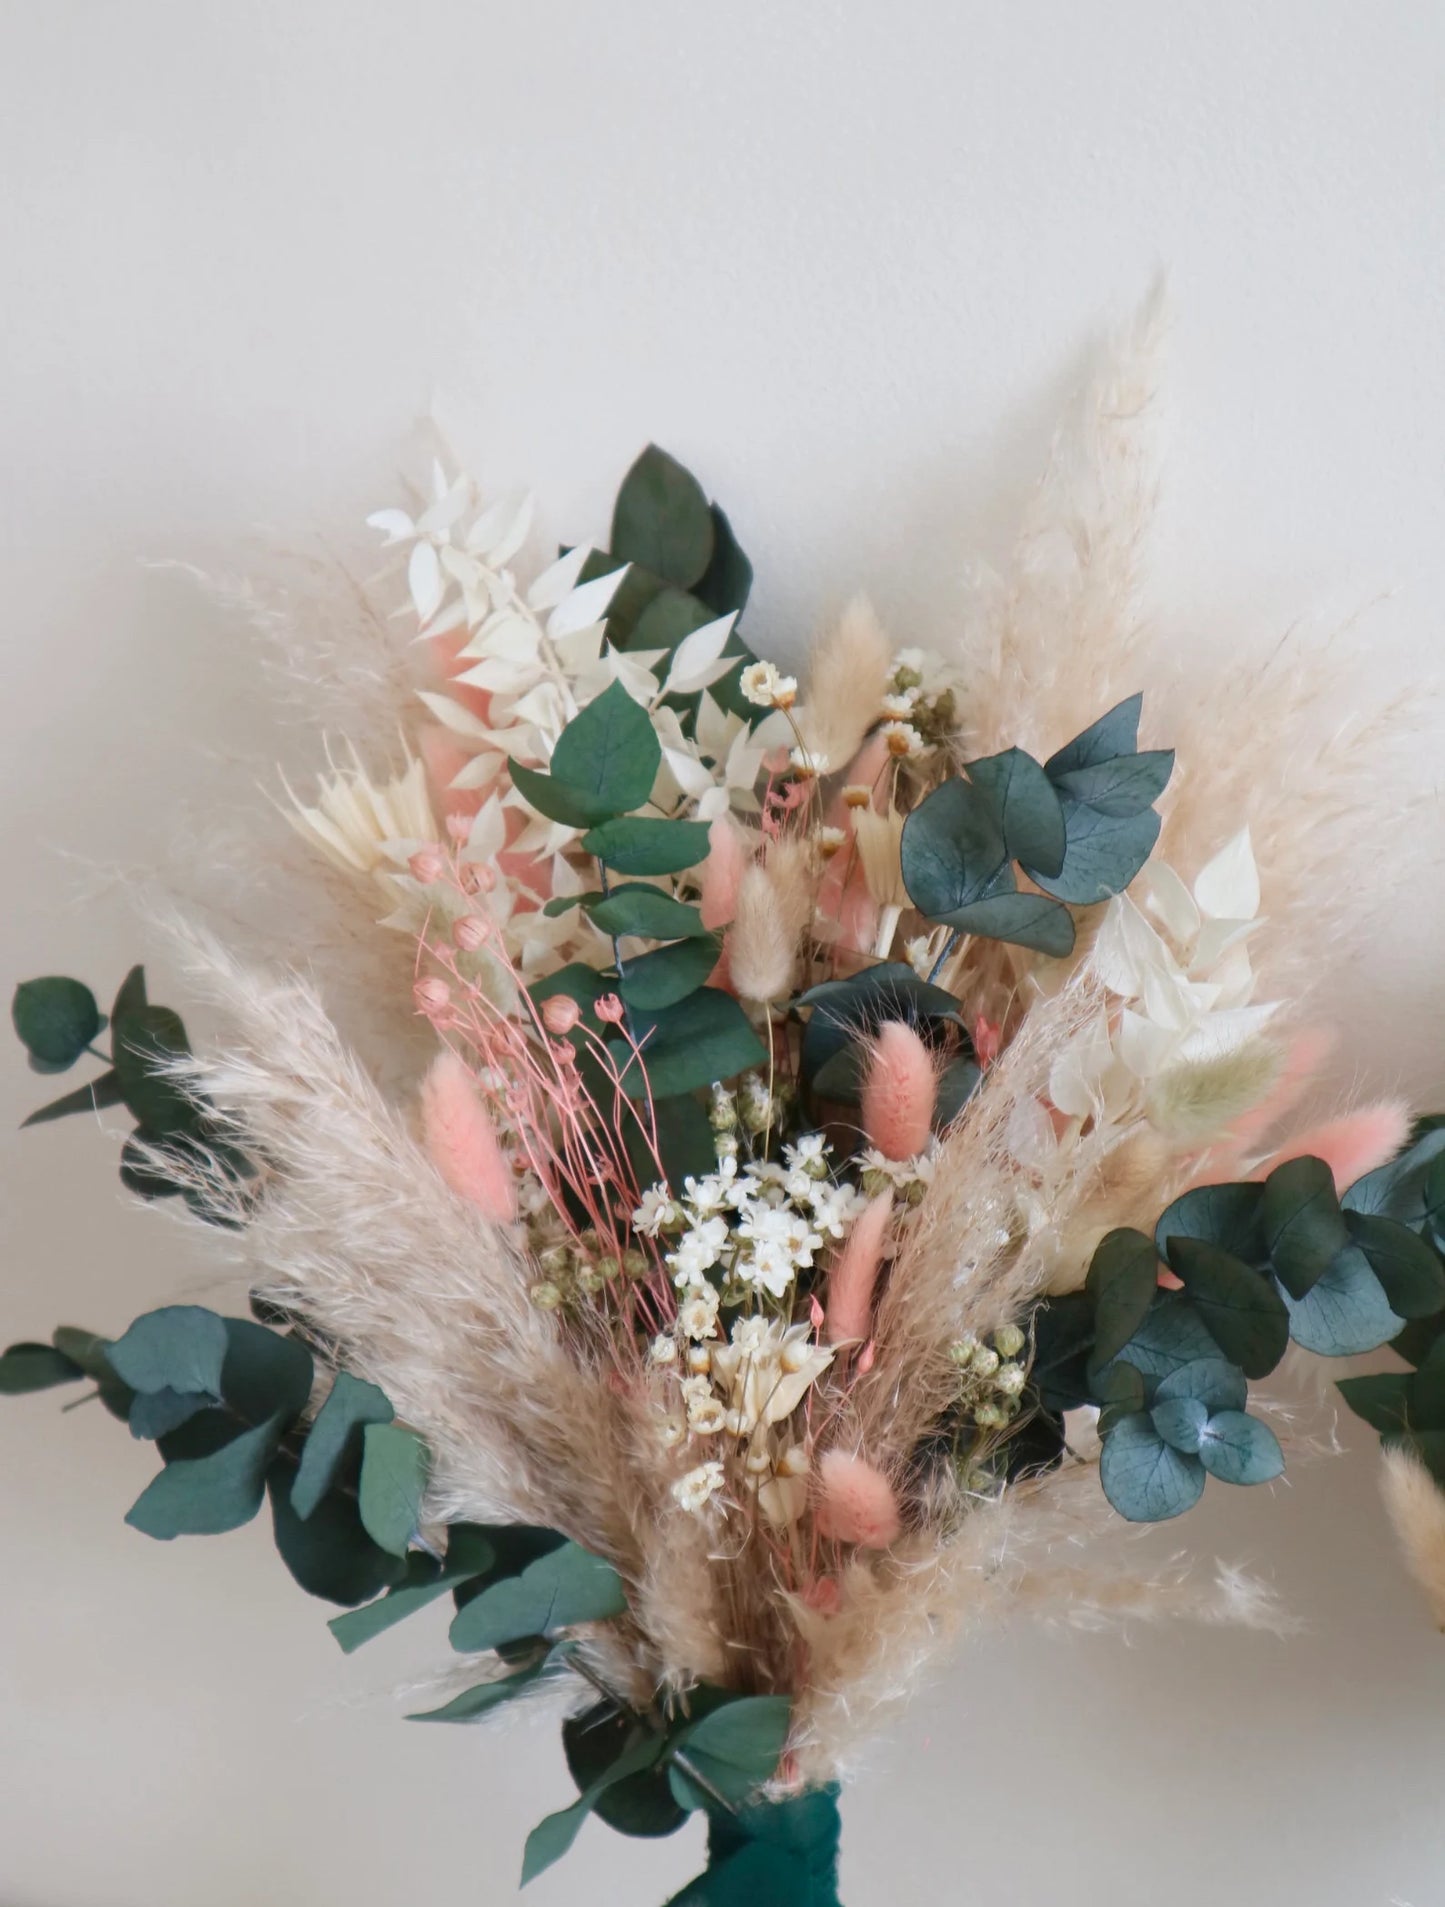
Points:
x=203, y=1496
x=1143, y=1477
x=394, y=1468
x=333, y=1444
x=55, y=1018
x=1240, y=1449
x=662, y=519
x=1241, y=1309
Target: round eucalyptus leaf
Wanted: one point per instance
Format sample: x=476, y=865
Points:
x=1145, y=1479
x=55, y=1018
x=1240, y=1449
x=1180, y=1422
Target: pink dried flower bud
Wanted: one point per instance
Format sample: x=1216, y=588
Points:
x=469, y=933
x=560, y=1015
x=481, y=877
x=610, y=1009
x=427, y=866
x=459, y=827
x=433, y=996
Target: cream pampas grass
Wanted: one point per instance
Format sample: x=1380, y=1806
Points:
x=847, y=679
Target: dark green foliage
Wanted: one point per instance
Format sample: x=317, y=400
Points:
x=669, y=974
x=333, y=1447
x=637, y=845
x=642, y=1804
x=647, y=911
x=35, y=1367
x=1262, y=1264
x=662, y=520
x=202, y=1496
x=56, y=1019
x=393, y=1483
x=704, y=1037
x=567, y=1585
x=1080, y=826
x=471, y=1553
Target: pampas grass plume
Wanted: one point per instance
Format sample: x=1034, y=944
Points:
x=1416, y=1509
x=856, y=1502
x=854, y=1273
x=899, y=1092
x=461, y=1141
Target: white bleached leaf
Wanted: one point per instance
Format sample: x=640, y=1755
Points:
x=1228, y=887
x=1170, y=901
x=438, y=518
x=480, y=772
x=395, y=525
x=1127, y=949
x=586, y=604
x=1075, y=1075
x=489, y=833
x=1217, y=938
x=452, y=715
x=559, y=579
x=695, y=662
x=1146, y=1049
x=424, y=580
x=690, y=775
x=502, y=528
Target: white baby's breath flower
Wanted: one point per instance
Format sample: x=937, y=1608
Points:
x=658, y=1210
x=807, y=1152
x=663, y=1349
x=835, y=1207
x=899, y=706
x=698, y=1315
x=698, y=1250
x=762, y=684
x=697, y=1489
x=903, y=739
x=706, y=1416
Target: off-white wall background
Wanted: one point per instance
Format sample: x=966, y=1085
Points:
x=843, y=258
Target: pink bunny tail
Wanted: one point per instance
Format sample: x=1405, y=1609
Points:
x=899, y=1092
x=856, y=1502
x=461, y=1141
x=854, y=1273
x=722, y=872
x=1351, y=1146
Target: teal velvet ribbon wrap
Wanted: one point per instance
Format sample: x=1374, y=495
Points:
x=771, y=1854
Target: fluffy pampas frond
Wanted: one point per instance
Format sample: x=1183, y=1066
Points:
x=358, y=1236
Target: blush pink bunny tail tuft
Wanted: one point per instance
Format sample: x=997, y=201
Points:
x=461, y=1141
x=1351, y=1146
x=854, y=1273
x=856, y=1502
x=899, y=1092
x=722, y=872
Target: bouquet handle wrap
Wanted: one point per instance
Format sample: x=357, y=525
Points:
x=771, y=1854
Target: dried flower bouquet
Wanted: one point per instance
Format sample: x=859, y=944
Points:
x=763, y=1277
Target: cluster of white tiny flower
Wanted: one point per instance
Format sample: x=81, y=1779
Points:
x=755, y=1225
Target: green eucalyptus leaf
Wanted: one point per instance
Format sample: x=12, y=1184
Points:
x=727, y=582
x=663, y=520
x=1121, y=787
x=736, y=1748
x=181, y=1347
x=1409, y=1270
x=558, y=800
x=1103, y=854
x=1240, y=1449
x=565, y=1586
x=101, y=1091
x=1242, y=1310
x=1345, y=1312
x=55, y=1018
x=1119, y=1391
x=1383, y=1400
x=155, y=1414
x=1302, y=1225
x=668, y=974
x=552, y=1837
x=1114, y=734
x=87, y=1350
x=1180, y=1422
x=860, y=1004
x=394, y=1468
x=642, y=1804
x=952, y=850
x=635, y=908
x=841, y=1076
x=332, y=1450
x=635, y=844
x=470, y=1554
x=1213, y=1381
x=203, y=1496
x=483, y=1699
x=1123, y=1278
x=685, y=1140
x=1172, y=1334
x=1145, y=1479
x=1410, y=1188
x=130, y=996
x=1020, y=920
x=670, y=618
x=329, y=1553
x=35, y=1367
x=957, y=1084
x=264, y=1373
x=141, y=1045
x=1227, y=1216
x=1027, y=809
x=609, y=751
x=704, y=1038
